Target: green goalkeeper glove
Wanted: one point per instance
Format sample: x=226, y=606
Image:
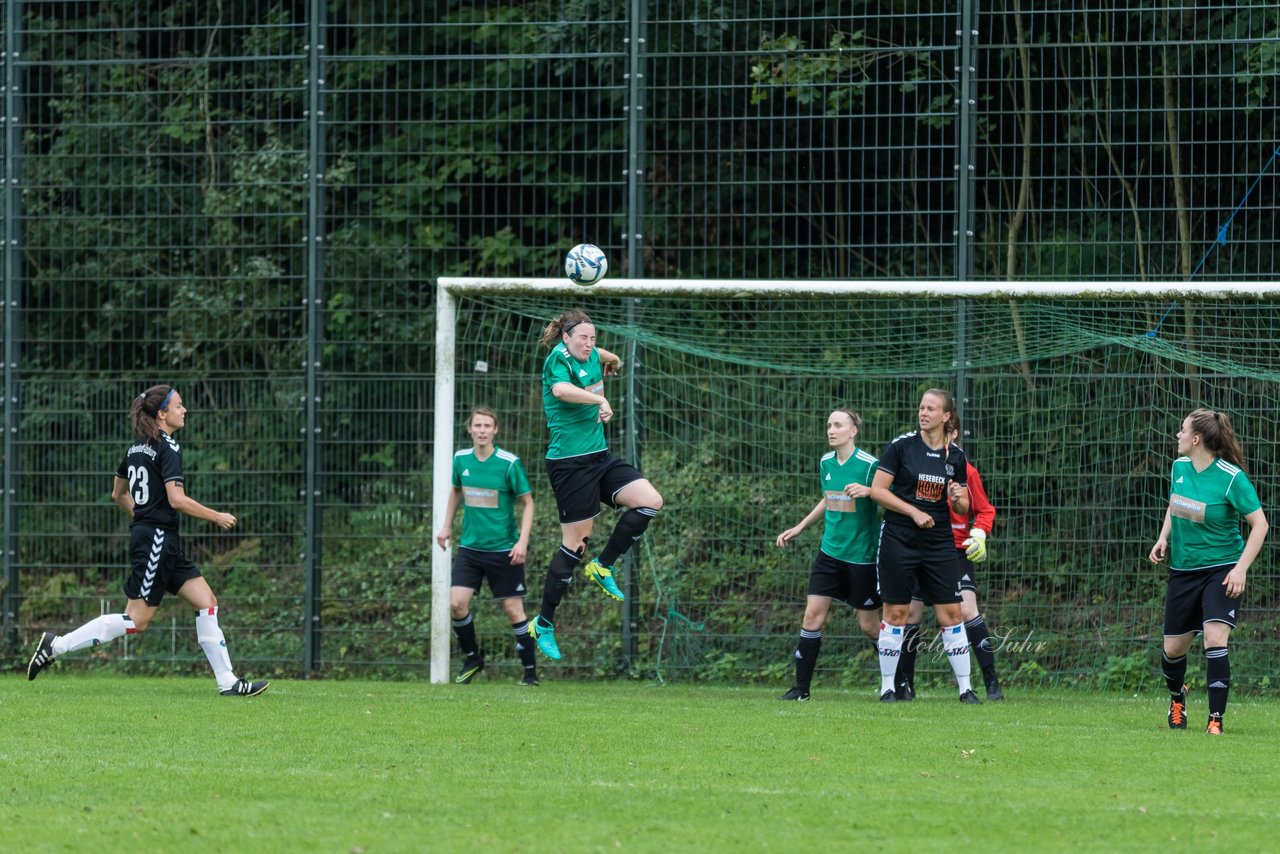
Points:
x=975, y=548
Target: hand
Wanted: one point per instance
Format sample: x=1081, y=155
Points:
x=1234, y=582
x=442, y=538
x=922, y=519
x=975, y=547
x=857, y=490
x=519, y=552
x=225, y=521
x=954, y=491
x=606, y=412
x=610, y=367
x=1158, y=552
x=787, y=536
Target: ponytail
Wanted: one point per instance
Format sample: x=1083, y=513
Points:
x=145, y=408
x=1218, y=435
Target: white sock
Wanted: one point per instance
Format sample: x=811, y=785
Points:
x=890, y=647
x=214, y=645
x=956, y=644
x=108, y=627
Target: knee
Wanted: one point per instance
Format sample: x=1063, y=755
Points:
x=457, y=610
x=655, y=501
x=140, y=621
x=968, y=612
x=896, y=614
x=514, y=609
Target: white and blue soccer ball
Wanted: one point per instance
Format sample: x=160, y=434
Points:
x=585, y=264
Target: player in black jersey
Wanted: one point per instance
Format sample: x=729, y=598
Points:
x=149, y=487
x=919, y=474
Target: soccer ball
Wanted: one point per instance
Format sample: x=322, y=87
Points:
x=585, y=264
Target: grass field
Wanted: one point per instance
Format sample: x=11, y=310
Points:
x=108, y=763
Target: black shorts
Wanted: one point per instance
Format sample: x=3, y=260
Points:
x=581, y=484
x=506, y=580
x=159, y=564
x=917, y=556
x=851, y=583
x=966, y=574
x=1198, y=597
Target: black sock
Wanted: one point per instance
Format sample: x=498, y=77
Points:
x=464, y=630
x=980, y=643
x=1175, y=672
x=1218, y=675
x=910, y=648
x=559, y=577
x=524, y=645
x=807, y=657
x=630, y=528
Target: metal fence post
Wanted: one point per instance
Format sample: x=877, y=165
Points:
x=634, y=267
x=12, y=288
x=314, y=280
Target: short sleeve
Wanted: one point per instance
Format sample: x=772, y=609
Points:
x=890, y=458
x=1242, y=495
x=170, y=462
x=517, y=479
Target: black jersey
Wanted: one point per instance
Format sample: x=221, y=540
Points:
x=147, y=467
x=920, y=476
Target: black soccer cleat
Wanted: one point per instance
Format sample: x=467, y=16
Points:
x=471, y=665
x=1178, y=709
x=905, y=692
x=245, y=688
x=992, y=683
x=530, y=680
x=970, y=699
x=888, y=697
x=795, y=693
x=42, y=657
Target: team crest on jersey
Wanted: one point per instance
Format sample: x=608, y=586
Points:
x=951, y=470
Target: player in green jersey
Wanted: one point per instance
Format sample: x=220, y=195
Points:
x=1208, y=558
x=845, y=566
x=489, y=482
x=582, y=471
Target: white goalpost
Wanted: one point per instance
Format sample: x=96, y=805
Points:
x=450, y=290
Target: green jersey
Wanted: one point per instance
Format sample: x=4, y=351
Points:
x=1205, y=508
x=575, y=427
x=850, y=523
x=489, y=490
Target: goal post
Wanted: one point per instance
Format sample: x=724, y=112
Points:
x=1072, y=394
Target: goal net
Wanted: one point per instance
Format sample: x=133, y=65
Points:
x=1070, y=397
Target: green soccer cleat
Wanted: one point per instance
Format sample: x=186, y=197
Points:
x=544, y=635
x=603, y=575
x=472, y=665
